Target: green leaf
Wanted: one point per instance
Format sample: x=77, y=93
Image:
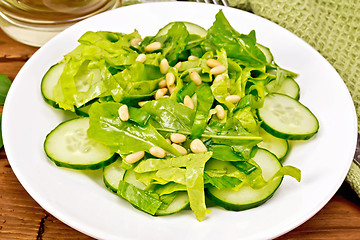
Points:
x=221, y=182
x=169, y=114
x=189, y=89
x=154, y=164
x=5, y=84
x=124, y=137
x=140, y=198
x=244, y=166
x=222, y=35
x=204, y=100
x=195, y=183
x=169, y=188
x=289, y=171
x=138, y=81
x=174, y=42
x=224, y=152
x=83, y=79
x=172, y=174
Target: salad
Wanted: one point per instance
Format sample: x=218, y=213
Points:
x=185, y=119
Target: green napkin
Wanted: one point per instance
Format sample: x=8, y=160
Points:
x=332, y=27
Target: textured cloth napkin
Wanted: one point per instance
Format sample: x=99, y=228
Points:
x=332, y=27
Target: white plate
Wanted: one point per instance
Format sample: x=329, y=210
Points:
x=82, y=202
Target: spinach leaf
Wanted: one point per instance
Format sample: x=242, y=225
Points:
x=225, y=153
x=189, y=89
x=124, y=137
x=204, y=100
x=169, y=114
x=222, y=35
x=174, y=42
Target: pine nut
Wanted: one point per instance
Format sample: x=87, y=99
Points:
x=124, y=113
x=153, y=46
x=213, y=63
x=157, y=152
x=195, y=77
x=220, y=112
x=178, y=65
x=233, y=98
x=170, y=79
x=190, y=58
x=188, y=102
x=135, y=41
x=162, y=83
x=142, y=103
x=160, y=93
x=171, y=89
x=180, y=149
x=197, y=146
x=168, y=141
x=134, y=157
x=218, y=78
x=141, y=58
x=177, y=137
x=218, y=69
x=164, y=66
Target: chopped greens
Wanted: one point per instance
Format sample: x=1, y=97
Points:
x=105, y=72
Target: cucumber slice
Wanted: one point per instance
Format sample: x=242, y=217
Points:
x=288, y=87
x=278, y=146
x=180, y=202
x=69, y=146
x=247, y=197
x=112, y=174
x=49, y=81
x=285, y=117
x=266, y=52
x=191, y=27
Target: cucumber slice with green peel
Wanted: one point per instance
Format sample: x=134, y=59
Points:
x=285, y=117
x=69, y=146
x=180, y=202
x=266, y=51
x=112, y=174
x=278, y=146
x=191, y=27
x=49, y=81
x=288, y=87
x=247, y=197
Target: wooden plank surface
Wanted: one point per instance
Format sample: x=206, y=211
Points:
x=22, y=218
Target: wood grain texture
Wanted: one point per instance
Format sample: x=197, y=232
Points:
x=21, y=218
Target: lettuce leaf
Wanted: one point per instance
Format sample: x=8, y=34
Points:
x=142, y=199
x=221, y=181
x=195, y=183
